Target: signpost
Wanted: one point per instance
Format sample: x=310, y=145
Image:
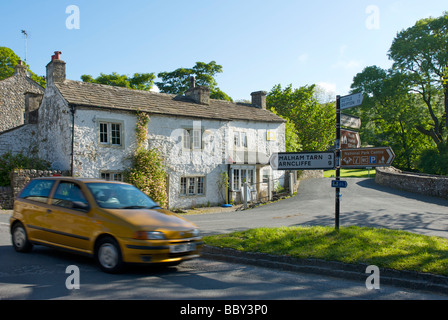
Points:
x=339, y=184
x=350, y=121
x=350, y=139
x=344, y=102
x=350, y=101
x=302, y=160
x=367, y=157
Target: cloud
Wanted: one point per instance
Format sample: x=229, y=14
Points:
x=348, y=64
x=326, y=92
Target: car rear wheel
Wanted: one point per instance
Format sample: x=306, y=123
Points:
x=108, y=255
x=20, y=238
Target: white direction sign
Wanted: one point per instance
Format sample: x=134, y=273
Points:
x=350, y=101
x=302, y=160
x=350, y=121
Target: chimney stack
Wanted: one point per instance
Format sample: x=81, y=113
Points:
x=20, y=69
x=200, y=94
x=259, y=99
x=55, y=69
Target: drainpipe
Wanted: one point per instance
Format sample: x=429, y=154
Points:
x=73, y=110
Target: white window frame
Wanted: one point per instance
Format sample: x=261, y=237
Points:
x=108, y=134
x=192, y=186
x=240, y=174
x=111, y=175
x=192, y=139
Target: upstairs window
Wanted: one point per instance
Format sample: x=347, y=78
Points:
x=110, y=133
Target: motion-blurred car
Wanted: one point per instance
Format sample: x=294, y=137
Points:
x=112, y=221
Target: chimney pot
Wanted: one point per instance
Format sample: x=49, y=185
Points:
x=56, y=56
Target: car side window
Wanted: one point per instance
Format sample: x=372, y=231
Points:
x=37, y=190
x=69, y=195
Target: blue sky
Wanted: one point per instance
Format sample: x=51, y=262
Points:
x=258, y=43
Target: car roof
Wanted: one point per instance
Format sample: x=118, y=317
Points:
x=84, y=180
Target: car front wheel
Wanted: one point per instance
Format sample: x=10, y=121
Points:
x=20, y=239
x=108, y=255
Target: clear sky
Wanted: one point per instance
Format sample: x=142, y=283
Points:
x=259, y=43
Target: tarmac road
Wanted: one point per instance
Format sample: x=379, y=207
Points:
x=363, y=203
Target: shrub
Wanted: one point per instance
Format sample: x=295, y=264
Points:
x=9, y=162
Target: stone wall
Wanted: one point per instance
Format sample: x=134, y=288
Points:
x=6, y=198
x=12, y=97
x=19, y=178
x=430, y=185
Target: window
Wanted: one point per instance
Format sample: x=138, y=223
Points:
x=236, y=139
x=240, y=139
x=241, y=175
x=266, y=174
x=192, y=186
x=192, y=139
x=69, y=195
x=112, y=176
x=110, y=133
x=244, y=139
x=37, y=190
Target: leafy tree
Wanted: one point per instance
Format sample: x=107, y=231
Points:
x=314, y=123
x=390, y=114
x=178, y=81
x=421, y=52
x=139, y=81
x=8, y=61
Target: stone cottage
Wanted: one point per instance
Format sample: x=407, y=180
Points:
x=89, y=129
x=13, y=93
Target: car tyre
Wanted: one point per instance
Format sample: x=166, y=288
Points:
x=108, y=255
x=19, y=238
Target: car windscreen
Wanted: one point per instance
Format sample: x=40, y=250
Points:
x=120, y=196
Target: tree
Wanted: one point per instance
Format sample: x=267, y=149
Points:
x=178, y=81
x=139, y=81
x=390, y=114
x=8, y=61
x=314, y=123
x=421, y=52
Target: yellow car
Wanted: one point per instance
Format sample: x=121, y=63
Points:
x=112, y=221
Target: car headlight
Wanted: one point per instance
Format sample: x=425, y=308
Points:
x=149, y=235
x=195, y=232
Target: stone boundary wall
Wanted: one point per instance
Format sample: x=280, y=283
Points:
x=430, y=185
x=19, y=178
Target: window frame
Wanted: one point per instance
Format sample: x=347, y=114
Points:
x=107, y=132
x=116, y=175
x=194, y=183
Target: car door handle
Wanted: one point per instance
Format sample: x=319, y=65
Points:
x=49, y=211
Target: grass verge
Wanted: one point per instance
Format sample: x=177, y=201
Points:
x=351, y=173
x=385, y=248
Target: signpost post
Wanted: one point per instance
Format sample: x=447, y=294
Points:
x=342, y=103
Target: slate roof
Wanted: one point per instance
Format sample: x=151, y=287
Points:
x=103, y=96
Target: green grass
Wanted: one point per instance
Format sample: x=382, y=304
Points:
x=351, y=173
x=385, y=248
